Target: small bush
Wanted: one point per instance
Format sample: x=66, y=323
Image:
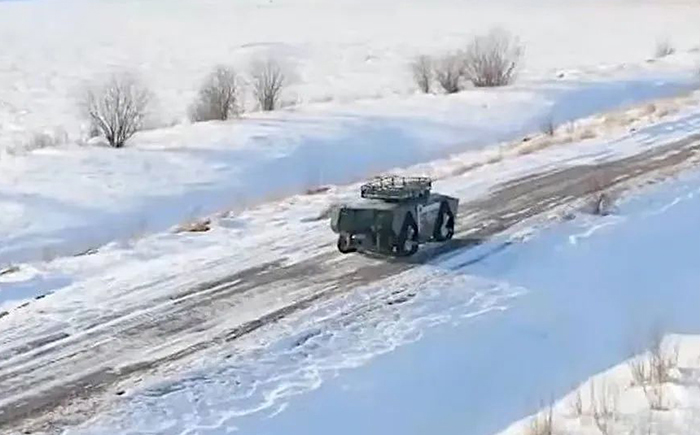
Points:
x=218, y=97
x=449, y=72
x=492, y=59
x=117, y=107
x=663, y=48
x=423, y=71
x=268, y=82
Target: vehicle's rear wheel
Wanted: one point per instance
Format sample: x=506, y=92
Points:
x=407, y=241
x=345, y=244
x=444, y=224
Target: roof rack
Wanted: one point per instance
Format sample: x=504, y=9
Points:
x=395, y=188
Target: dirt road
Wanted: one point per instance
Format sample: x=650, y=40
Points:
x=66, y=375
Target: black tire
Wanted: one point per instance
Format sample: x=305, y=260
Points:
x=345, y=244
x=407, y=241
x=444, y=224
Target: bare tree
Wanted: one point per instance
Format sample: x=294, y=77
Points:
x=268, y=81
x=422, y=68
x=218, y=98
x=117, y=107
x=492, y=59
x=449, y=71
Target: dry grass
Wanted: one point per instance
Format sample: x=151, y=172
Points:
x=542, y=423
x=604, y=406
x=576, y=403
x=653, y=369
x=199, y=226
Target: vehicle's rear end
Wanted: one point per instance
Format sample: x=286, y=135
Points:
x=362, y=227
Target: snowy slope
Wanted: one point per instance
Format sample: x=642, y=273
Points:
x=628, y=398
x=468, y=343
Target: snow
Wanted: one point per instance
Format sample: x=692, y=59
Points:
x=357, y=114
x=270, y=232
x=174, y=175
x=636, y=407
x=470, y=342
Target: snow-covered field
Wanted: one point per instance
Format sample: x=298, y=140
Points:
x=357, y=114
x=465, y=344
x=468, y=343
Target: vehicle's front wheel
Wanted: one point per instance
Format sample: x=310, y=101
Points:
x=444, y=224
x=407, y=241
x=345, y=245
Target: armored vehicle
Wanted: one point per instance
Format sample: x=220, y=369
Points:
x=394, y=215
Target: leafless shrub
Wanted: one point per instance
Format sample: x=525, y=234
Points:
x=603, y=204
x=600, y=202
x=449, y=72
x=548, y=127
x=268, y=81
x=423, y=71
x=218, y=97
x=604, y=406
x=492, y=59
x=663, y=48
x=542, y=423
x=117, y=108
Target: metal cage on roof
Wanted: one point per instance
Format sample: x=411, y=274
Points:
x=395, y=188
